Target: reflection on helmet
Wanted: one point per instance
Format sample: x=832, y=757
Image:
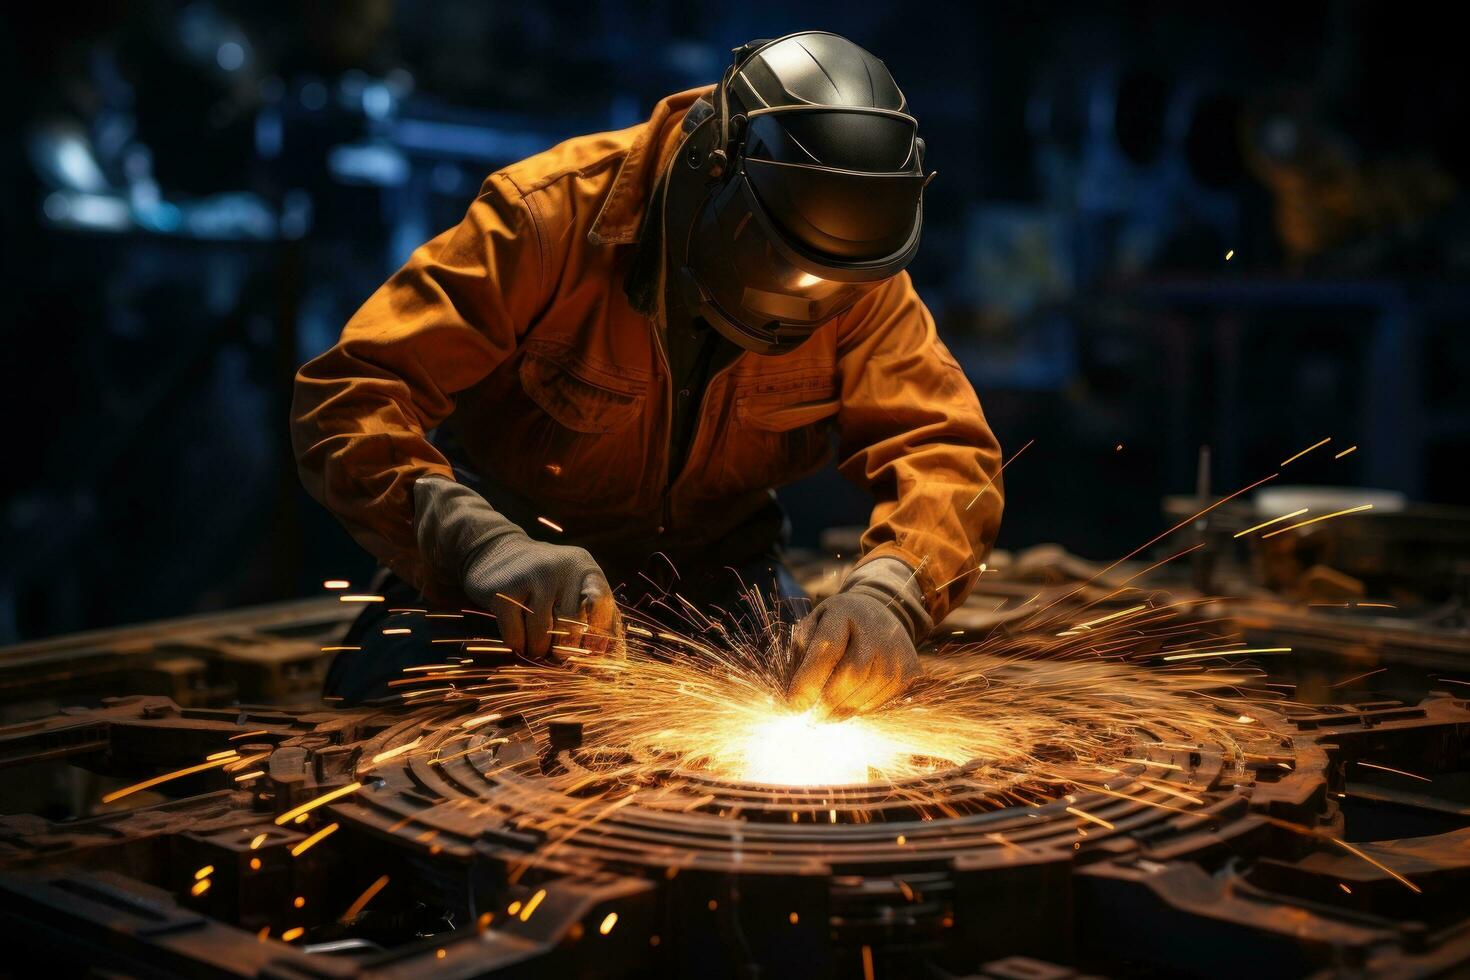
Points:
x=818, y=203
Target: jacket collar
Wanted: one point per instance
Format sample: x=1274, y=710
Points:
x=621, y=218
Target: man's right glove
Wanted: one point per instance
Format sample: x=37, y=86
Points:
x=855, y=651
x=542, y=594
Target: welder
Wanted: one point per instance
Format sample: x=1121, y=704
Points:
x=600, y=375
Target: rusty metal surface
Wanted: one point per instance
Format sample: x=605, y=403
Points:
x=723, y=867
x=266, y=653
x=1207, y=870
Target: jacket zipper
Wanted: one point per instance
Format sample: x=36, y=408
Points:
x=669, y=476
x=666, y=477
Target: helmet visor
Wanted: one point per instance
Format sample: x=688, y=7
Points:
x=748, y=286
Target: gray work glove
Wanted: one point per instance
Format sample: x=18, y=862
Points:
x=542, y=594
x=855, y=651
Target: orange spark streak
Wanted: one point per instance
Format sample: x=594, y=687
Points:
x=1356, y=677
x=200, y=887
x=611, y=920
x=1283, y=517
x=336, y=583
x=314, y=839
x=530, y=907
x=292, y=934
x=1345, y=452
x=310, y=805
x=1155, y=540
x=1103, y=619
x=1087, y=816
x=395, y=753
x=991, y=482
x=1292, y=459
x=1314, y=520
x=1226, y=653
x=360, y=903
x=1374, y=765
x=118, y=794
x=1151, y=762
x=1313, y=832
x=552, y=524
x=359, y=598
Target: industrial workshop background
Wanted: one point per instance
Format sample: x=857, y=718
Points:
x=1155, y=227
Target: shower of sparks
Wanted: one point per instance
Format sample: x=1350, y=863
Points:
x=708, y=702
x=1092, y=679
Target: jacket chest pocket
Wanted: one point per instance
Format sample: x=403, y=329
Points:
x=580, y=437
x=578, y=396
x=783, y=430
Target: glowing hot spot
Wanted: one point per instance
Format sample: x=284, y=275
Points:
x=801, y=750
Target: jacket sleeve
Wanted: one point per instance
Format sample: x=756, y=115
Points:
x=913, y=434
x=443, y=322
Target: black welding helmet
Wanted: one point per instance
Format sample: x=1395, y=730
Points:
x=804, y=185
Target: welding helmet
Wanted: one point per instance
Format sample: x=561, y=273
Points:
x=802, y=181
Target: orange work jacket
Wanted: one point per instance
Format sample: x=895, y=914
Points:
x=514, y=327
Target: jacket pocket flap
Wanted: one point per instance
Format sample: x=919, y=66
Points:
x=573, y=398
x=777, y=414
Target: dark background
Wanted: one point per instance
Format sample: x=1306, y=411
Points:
x=197, y=196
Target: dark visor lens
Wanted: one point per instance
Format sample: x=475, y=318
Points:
x=741, y=269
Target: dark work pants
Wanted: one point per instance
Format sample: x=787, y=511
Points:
x=362, y=675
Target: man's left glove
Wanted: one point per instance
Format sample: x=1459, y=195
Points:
x=543, y=595
x=855, y=651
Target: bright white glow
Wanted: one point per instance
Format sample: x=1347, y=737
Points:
x=799, y=750
x=807, y=279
